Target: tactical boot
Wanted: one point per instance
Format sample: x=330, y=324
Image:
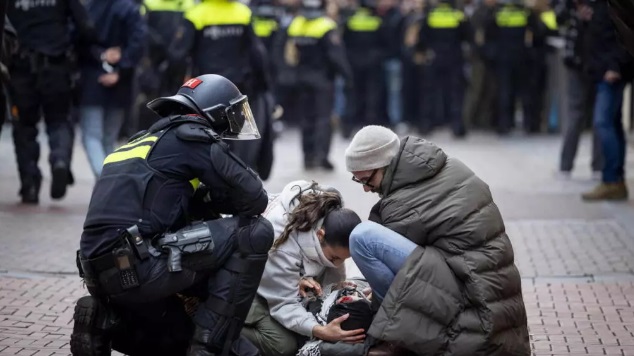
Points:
x=199, y=343
x=30, y=191
x=93, y=321
x=607, y=191
x=61, y=177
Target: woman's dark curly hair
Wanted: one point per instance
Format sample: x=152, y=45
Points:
x=338, y=221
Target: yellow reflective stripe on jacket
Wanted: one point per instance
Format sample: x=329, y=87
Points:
x=169, y=5
x=316, y=28
x=138, y=148
x=364, y=21
x=137, y=152
x=445, y=17
x=138, y=141
x=512, y=17
x=195, y=183
x=219, y=12
x=550, y=19
x=264, y=27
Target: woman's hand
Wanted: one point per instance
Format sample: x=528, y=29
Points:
x=333, y=332
x=309, y=283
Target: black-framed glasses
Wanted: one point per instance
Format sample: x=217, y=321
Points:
x=366, y=181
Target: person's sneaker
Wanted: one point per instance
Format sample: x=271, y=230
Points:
x=60, y=180
x=607, y=191
x=92, y=321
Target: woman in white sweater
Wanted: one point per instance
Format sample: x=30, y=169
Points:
x=312, y=230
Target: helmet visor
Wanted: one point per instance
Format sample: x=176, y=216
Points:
x=242, y=124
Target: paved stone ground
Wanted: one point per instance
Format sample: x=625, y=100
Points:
x=576, y=259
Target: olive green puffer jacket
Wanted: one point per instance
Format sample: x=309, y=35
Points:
x=459, y=293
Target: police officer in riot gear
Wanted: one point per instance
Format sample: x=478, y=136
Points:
x=142, y=243
x=41, y=84
x=314, y=49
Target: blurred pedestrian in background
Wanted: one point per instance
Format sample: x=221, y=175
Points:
x=107, y=72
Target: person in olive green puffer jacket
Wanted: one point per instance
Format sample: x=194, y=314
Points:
x=435, y=251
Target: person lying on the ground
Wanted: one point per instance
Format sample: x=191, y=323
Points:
x=435, y=251
x=312, y=230
x=350, y=298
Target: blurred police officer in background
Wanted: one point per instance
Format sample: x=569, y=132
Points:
x=41, y=85
x=444, y=30
x=159, y=77
x=366, y=41
x=313, y=47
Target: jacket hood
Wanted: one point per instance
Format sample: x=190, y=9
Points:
x=416, y=161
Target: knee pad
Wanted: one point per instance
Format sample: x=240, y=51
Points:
x=231, y=292
x=255, y=236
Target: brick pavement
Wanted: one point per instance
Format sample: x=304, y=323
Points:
x=576, y=259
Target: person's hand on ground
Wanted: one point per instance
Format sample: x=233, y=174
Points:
x=334, y=333
x=305, y=284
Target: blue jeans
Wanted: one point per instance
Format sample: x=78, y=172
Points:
x=394, y=80
x=379, y=253
x=609, y=128
x=99, y=132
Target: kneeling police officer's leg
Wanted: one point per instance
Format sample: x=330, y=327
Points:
x=232, y=287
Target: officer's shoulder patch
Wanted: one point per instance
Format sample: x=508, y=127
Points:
x=194, y=132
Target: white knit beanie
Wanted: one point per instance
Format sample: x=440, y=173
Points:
x=371, y=148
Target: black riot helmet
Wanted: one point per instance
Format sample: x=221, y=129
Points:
x=312, y=9
x=216, y=99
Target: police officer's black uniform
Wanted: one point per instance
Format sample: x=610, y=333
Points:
x=507, y=37
x=443, y=32
x=41, y=85
x=266, y=21
x=314, y=48
x=219, y=37
x=152, y=182
x=366, y=39
x=157, y=76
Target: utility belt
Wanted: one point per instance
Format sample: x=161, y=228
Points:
x=38, y=61
x=133, y=248
x=130, y=250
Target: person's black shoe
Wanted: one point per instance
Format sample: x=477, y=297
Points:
x=61, y=177
x=92, y=323
x=200, y=340
x=30, y=192
x=309, y=165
